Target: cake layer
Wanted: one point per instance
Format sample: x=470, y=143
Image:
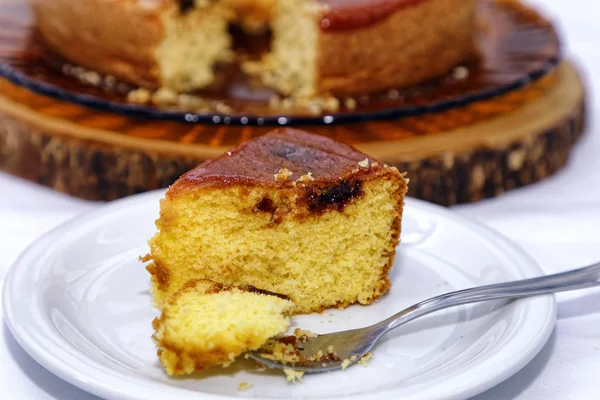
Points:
x=289, y=212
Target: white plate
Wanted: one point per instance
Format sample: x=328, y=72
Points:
x=77, y=301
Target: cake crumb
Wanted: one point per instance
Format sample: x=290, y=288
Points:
x=393, y=94
x=283, y=175
x=331, y=103
x=164, y=96
x=313, y=104
x=460, y=73
x=306, y=178
x=92, y=78
x=222, y=107
x=350, y=103
x=315, y=108
x=347, y=361
x=364, y=163
x=304, y=335
x=276, y=350
x=293, y=376
x=244, y=386
x=364, y=361
x=139, y=96
x=110, y=81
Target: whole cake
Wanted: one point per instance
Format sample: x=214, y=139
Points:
x=338, y=47
x=289, y=212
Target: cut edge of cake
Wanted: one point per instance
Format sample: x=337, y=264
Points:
x=277, y=209
x=194, y=43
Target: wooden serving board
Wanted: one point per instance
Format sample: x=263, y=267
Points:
x=467, y=152
x=466, y=164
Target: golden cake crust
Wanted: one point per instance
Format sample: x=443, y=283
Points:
x=415, y=43
x=117, y=38
x=408, y=43
x=286, y=149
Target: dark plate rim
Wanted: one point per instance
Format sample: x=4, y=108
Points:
x=149, y=113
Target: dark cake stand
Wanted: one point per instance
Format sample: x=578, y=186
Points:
x=510, y=121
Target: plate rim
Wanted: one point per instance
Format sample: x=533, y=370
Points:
x=96, y=386
x=279, y=120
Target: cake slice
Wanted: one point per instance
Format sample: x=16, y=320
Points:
x=206, y=324
x=289, y=212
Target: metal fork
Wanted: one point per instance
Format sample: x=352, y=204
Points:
x=353, y=344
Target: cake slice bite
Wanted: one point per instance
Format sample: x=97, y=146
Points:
x=289, y=212
x=206, y=324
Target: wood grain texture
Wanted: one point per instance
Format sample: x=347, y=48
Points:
x=460, y=165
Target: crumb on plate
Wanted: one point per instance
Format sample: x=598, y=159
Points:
x=244, y=386
x=293, y=376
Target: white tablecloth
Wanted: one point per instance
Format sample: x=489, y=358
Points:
x=556, y=221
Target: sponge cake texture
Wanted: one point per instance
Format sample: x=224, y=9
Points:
x=289, y=212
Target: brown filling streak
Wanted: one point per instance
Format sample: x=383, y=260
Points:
x=335, y=197
x=266, y=205
x=318, y=200
x=185, y=5
x=254, y=289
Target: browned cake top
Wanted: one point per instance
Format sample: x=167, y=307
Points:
x=259, y=161
x=350, y=14
x=347, y=14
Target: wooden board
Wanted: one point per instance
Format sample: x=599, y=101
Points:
x=528, y=142
x=510, y=122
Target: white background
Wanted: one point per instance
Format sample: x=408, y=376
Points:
x=556, y=221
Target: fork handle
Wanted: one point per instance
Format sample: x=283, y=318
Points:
x=572, y=280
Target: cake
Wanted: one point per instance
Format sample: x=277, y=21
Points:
x=319, y=47
x=288, y=212
x=206, y=324
x=353, y=47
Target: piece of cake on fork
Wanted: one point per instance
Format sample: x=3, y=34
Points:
x=206, y=323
